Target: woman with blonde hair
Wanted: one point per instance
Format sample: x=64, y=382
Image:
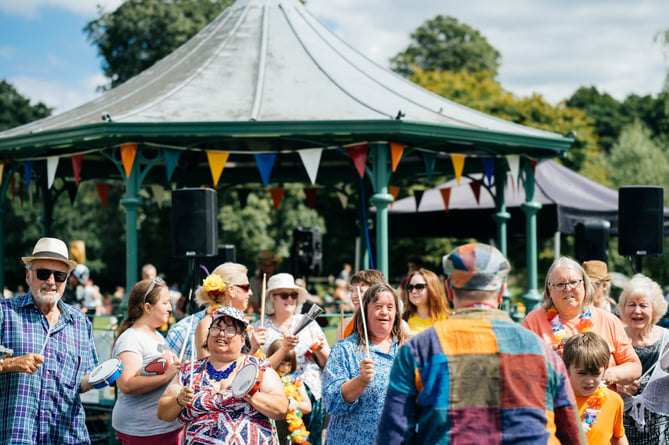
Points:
x=426, y=302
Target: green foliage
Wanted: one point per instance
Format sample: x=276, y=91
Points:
x=141, y=32
x=444, y=44
x=16, y=110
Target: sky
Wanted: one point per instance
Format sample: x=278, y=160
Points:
x=548, y=47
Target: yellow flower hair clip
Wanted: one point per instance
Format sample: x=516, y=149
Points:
x=213, y=284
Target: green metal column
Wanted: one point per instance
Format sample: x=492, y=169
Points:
x=131, y=202
x=381, y=199
x=501, y=217
x=532, y=298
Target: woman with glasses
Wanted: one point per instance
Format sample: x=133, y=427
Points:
x=567, y=310
x=148, y=367
x=426, y=302
x=283, y=297
x=204, y=397
x=228, y=285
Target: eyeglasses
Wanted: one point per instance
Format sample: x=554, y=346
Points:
x=564, y=285
x=159, y=281
x=228, y=331
x=418, y=287
x=44, y=274
x=286, y=295
x=244, y=287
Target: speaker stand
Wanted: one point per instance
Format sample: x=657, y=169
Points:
x=193, y=285
x=638, y=263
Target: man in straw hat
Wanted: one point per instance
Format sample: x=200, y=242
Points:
x=478, y=377
x=599, y=274
x=53, y=352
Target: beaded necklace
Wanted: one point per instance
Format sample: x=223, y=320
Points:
x=559, y=333
x=592, y=408
x=220, y=375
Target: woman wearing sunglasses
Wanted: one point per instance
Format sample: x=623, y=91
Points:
x=426, y=302
x=148, y=367
x=283, y=297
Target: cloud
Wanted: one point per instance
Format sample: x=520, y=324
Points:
x=60, y=95
x=31, y=9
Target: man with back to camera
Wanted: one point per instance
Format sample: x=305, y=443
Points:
x=478, y=377
x=53, y=352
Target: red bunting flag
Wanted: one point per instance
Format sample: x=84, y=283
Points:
x=76, y=167
x=310, y=195
x=534, y=165
x=103, y=192
x=446, y=196
x=277, y=195
x=476, y=188
x=358, y=154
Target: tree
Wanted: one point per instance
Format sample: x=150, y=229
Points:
x=444, y=44
x=141, y=32
x=16, y=110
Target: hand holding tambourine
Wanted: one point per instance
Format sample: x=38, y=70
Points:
x=247, y=381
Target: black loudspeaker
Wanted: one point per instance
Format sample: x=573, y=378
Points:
x=591, y=240
x=226, y=254
x=307, y=251
x=640, y=220
x=194, y=224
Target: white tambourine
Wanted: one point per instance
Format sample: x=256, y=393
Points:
x=664, y=358
x=105, y=373
x=247, y=381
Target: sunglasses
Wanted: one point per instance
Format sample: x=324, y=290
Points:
x=286, y=295
x=44, y=274
x=158, y=281
x=419, y=287
x=244, y=287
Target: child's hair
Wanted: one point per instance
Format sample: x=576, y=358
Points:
x=588, y=350
x=289, y=357
x=367, y=277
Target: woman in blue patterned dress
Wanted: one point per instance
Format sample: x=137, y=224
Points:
x=356, y=373
x=200, y=396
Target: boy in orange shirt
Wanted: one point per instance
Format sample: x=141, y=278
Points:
x=586, y=356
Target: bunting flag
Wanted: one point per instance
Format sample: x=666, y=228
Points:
x=51, y=167
x=446, y=197
x=476, y=189
x=458, y=166
x=217, y=160
x=243, y=196
x=103, y=192
x=418, y=196
x=394, y=190
x=310, y=195
x=430, y=160
x=28, y=172
x=343, y=199
x=157, y=191
x=311, y=158
x=128, y=153
x=534, y=165
x=396, y=151
x=358, y=154
x=71, y=188
x=489, y=169
x=76, y=168
x=171, y=159
x=514, y=166
x=265, y=162
x=277, y=195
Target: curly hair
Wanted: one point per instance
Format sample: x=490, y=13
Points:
x=642, y=286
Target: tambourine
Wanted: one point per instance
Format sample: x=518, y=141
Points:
x=105, y=373
x=664, y=358
x=247, y=381
x=5, y=352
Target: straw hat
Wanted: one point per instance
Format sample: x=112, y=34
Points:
x=268, y=255
x=596, y=270
x=50, y=249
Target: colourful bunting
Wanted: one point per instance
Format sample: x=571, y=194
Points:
x=128, y=153
x=277, y=195
x=217, y=160
x=51, y=168
x=265, y=162
x=446, y=197
x=358, y=154
x=458, y=166
x=103, y=192
x=394, y=190
x=310, y=196
x=514, y=166
x=476, y=189
x=430, y=160
x=28, y=172
x=396, y=151
x=76, y=167
x=418, y=196
x=171, y=159
x=311, y=158
x=534, y=165
x=489, y=169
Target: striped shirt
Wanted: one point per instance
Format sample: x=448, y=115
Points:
x=45, y=407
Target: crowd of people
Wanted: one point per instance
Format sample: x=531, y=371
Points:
x=435, y=361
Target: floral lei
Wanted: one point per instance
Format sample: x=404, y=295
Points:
x=297, y=430
x=593, y=407
x=559, y=333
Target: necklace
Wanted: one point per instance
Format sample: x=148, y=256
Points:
x=220, y=375
x=593, y=406
x=559, y=332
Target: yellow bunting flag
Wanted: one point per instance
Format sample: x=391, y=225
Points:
x=458, y=166
x=217, y=160
x=128, y=152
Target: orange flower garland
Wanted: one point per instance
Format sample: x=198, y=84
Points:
x=297, y=429
x=559, y=332
x=592, y=408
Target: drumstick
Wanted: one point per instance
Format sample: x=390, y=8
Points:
x=362, y=315
x=262, y=301
x=341, y=318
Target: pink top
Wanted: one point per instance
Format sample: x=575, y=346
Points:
x=603, y=323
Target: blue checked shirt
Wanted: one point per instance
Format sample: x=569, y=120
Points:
x=177, y=334
x=45, y=407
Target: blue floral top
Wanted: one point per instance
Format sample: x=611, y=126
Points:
x=355, y=423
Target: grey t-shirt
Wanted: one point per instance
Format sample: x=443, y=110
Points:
x=136, y=414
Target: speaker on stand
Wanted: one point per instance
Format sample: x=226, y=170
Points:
x=591, y=240
x=307, y=251
x=640, y=222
